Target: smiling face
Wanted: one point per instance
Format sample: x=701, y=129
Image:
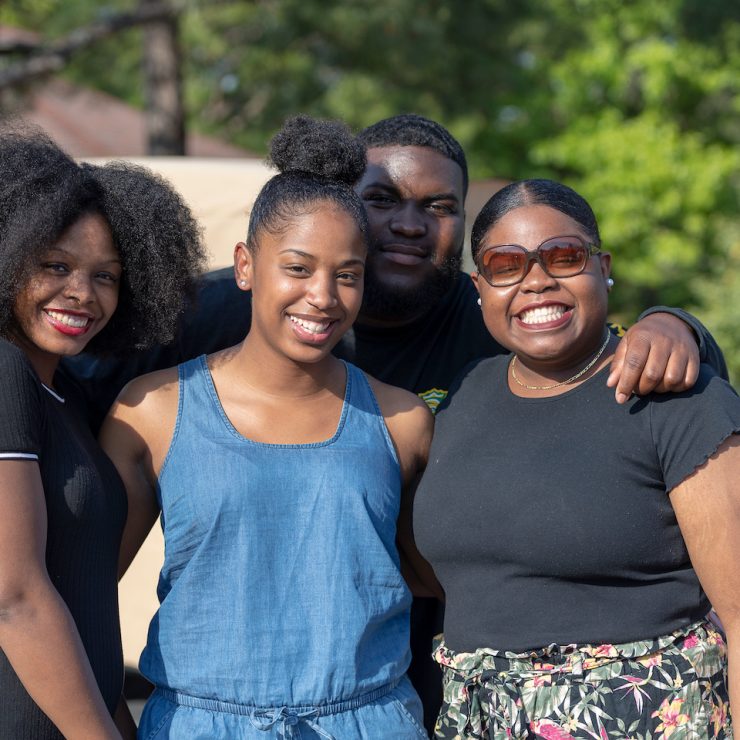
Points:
x=306, y=283
x=414, y=200
x=70, y=296
x=552, y=324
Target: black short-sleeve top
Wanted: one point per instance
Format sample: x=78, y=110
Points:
x=86, y=512
x=548, y=521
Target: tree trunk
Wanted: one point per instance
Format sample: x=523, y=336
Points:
x=165, y=118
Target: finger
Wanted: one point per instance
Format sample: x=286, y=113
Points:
x=638, y=374
x=674, y=377
x=653, y=371
x=692, y=370
x=615, y=367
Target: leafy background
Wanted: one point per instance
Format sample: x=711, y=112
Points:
x=634, y=103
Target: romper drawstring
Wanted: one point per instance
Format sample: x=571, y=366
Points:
x=266, y=719
x=286, y=720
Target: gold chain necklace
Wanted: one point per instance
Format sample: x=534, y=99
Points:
x=564, y=382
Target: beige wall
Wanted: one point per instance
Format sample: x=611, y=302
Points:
x=220, y=193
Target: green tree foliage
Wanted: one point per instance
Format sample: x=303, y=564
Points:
x=634, y=103
x=648, y=131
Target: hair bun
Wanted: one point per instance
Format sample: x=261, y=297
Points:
x=324, y=148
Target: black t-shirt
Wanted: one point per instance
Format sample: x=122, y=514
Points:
x=548, y=520
x=86, y=512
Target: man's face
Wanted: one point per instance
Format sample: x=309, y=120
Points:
x=413, y=196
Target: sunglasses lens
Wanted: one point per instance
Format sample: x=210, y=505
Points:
x=503, y=265
x=563, y=257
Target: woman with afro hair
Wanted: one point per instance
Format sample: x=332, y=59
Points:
x=278, y=469
x=94, y=259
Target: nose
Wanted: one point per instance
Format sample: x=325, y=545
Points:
x=535, y=278
x=79, y=287
x=322, y=292
x=408, y=221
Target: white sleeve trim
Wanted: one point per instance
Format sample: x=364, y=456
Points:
x=53, y=393
x=18, y=456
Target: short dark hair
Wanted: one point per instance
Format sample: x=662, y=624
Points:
x=534, y=192
x=43, y=191
x=318, y=161
x=410, y=129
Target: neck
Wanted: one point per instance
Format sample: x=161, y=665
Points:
x=44, y=363
x=276, y=375
x=534, y=377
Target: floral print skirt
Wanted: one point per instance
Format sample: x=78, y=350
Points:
x=672, y=687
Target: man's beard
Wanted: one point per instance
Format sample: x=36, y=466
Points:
x=381, y=302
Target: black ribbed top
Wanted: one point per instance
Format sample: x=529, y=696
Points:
x=86, y=511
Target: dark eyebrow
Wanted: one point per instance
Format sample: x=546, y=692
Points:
x=62, y=250
x=393, y=189
x=381, y=186
x=354, y=261
x=442, y=196
x=306, y=255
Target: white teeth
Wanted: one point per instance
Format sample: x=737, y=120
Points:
x=77, y=322
x=311, y=326
x=542, y=315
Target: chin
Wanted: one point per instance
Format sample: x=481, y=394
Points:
x=406, y=299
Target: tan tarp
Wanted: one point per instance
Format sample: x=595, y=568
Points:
x=220, y=192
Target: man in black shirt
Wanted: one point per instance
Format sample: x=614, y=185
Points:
x=420, y=323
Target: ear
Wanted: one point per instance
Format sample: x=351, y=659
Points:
x=474, y=277
x=605, y=262
x=243, y=266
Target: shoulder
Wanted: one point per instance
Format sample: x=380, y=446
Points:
x=13, y=358
x=23, y=405
x=19, y=377
x=408, y=419
x=710, y=389
x=711, y=402
x=141, y=423
x=480, y=374
x=148, y=394
x=146, y=406
x=687, y=427
x=395, y=401
x=482, y=369
x=709, y=377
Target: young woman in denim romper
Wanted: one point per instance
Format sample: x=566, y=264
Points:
x=278, y=470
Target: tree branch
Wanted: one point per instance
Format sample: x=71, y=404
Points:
x=53, y=57
x=18, y=47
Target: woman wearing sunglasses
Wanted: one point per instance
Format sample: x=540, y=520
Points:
x=579, y=542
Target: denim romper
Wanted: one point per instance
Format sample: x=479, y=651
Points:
x=283, y=613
